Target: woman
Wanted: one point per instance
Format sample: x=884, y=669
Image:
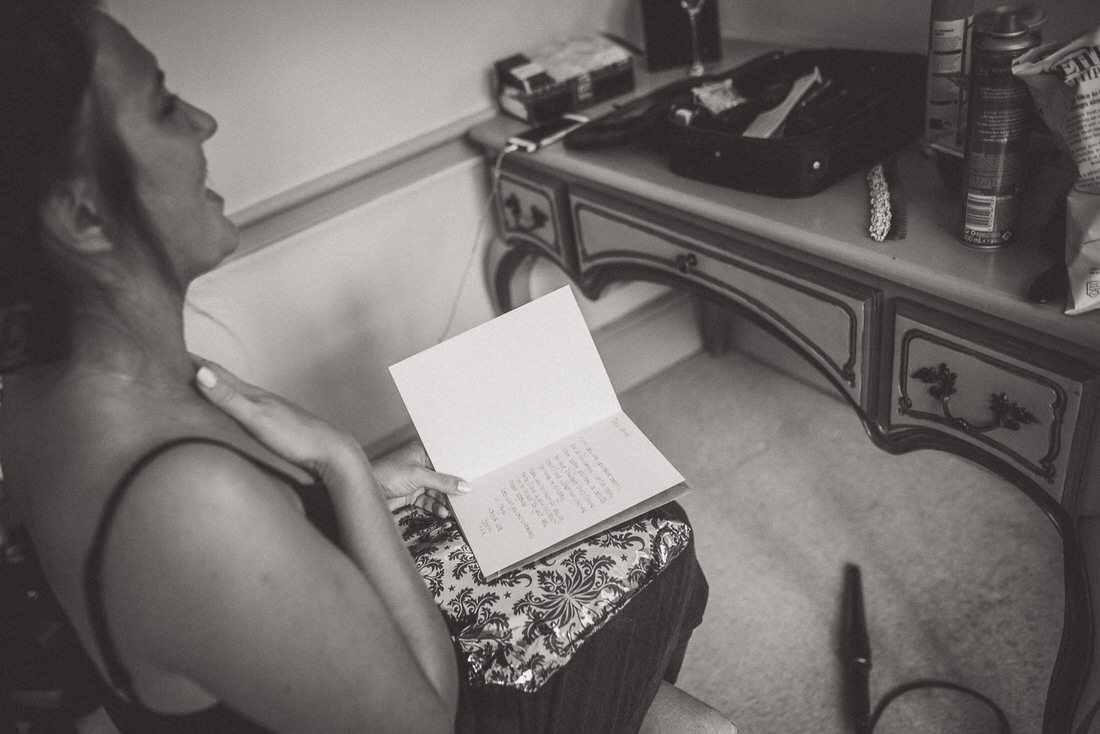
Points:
x=228, y=561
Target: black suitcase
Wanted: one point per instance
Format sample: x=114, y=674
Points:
x=868, y=104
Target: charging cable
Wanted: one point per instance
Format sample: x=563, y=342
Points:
x=1072, y=558
x=487, y=209
x=889, y=696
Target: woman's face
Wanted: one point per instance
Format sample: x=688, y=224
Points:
x=162, y=135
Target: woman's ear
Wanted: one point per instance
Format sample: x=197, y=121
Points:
x=71, y=214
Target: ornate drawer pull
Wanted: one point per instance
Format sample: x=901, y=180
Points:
x=513, y=207
x=684, y=263
x=1006, y=413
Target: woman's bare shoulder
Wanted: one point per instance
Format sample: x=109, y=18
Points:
x=186, y=497
x=214, y=575
x=196, y=523
x=195, y=490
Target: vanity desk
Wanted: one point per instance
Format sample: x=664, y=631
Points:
x=932, y=343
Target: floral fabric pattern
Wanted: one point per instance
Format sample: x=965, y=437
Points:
x=520, y=628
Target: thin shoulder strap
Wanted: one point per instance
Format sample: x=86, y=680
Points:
x=93, y=589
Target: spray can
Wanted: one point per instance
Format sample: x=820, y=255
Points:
x=948, y=70
x=998, y=125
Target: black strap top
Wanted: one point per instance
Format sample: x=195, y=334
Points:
x=129, y=715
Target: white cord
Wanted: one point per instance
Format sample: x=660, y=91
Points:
x=494, y=189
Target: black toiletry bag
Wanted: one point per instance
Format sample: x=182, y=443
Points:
x=867, y=105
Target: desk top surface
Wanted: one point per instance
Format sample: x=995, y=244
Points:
x=833, y=223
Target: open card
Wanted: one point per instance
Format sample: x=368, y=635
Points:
x=522, y=408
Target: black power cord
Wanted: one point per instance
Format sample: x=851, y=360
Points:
x=926, y=683
x=856, y=654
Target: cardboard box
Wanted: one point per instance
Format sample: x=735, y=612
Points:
x=562, y=77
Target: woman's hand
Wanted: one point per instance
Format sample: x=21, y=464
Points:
x=293, y=433
x=407, y=478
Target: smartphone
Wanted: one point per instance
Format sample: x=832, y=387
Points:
x=547, y=133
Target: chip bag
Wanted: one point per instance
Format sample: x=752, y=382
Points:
x=1064, y=80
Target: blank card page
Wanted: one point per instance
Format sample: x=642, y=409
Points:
x=506, y=388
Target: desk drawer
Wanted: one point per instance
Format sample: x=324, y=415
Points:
x=823, y=316
x=531, y=212
x=983, y=387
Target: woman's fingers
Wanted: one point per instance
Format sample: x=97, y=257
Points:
x=225, y=391
x=424, y=478
x=433, y=504
x=407, y=471
x=223, y=376
x=286, y=429
x=405, y=479
x=429, y=501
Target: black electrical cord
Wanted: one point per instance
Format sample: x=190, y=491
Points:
x=925, y=683
x=1063, y=525
x=856, y=654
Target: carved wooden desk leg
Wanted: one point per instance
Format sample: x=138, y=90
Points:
x=715, y=326
x=508, y=273
x=1089, y=532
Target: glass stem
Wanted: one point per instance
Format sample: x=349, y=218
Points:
x=696, y=62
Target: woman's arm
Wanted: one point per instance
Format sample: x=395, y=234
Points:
x=367, y=531
x=370, y=538
x=213, y=574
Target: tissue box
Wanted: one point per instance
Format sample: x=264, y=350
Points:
x=561, y=77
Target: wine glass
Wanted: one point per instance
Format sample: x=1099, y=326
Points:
x=692, y=8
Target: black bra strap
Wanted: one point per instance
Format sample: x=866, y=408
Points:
x=93, y=589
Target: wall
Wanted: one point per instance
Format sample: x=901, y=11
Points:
x=303, y=89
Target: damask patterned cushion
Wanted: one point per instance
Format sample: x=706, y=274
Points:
x=518, y=629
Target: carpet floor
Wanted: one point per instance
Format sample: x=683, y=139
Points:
x=962, y=574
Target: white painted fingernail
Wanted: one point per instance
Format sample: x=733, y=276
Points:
x=206, y=377
x=464, y=486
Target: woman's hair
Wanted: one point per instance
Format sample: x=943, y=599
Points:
x=46, y=60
